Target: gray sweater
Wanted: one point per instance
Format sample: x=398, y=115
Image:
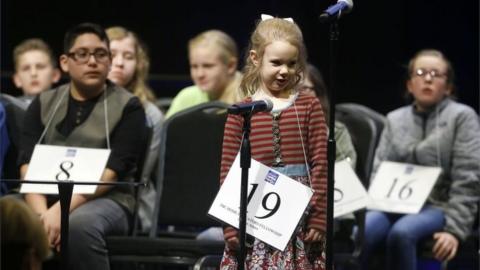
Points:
x=448, y=136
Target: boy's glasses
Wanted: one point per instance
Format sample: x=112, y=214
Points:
x=82, y=56
x=434, y=74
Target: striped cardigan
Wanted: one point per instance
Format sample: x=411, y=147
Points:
x=314, y=132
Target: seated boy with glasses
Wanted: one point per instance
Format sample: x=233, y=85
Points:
x=89, y=111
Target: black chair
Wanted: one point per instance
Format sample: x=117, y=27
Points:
x=15, y=110
x=135, y=223
x=188, y=180
x=364, y=126
x=378, y=119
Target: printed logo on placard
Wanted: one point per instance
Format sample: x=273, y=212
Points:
x=271, y=177
x=71, y=152
x=409, y=169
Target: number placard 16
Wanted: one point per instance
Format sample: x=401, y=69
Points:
x=401, y=187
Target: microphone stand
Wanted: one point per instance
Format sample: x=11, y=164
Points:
x=331, y=152
x=245, y=162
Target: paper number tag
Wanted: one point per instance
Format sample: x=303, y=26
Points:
x=275, y=203
x=402, y=187
x=349, y=193
x=60, y=163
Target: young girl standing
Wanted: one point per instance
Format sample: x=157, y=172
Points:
x=292, y=139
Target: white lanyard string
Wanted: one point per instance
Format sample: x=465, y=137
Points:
x=301, y=139
x=51, y=116
x=105, y=109
x=437, y=130
x=303, y=146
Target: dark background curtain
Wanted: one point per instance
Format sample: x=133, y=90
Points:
x=377, y=38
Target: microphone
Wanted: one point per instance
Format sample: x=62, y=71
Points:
x=335, y=11
x=264, y=105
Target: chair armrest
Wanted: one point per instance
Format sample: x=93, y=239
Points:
x=207, y=261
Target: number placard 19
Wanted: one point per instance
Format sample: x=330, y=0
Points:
x=401, y=187
x=275, y=203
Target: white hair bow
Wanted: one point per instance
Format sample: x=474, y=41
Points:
x=267, y=17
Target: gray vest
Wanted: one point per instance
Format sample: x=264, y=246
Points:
x=92, y=132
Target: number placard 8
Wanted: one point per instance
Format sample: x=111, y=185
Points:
x=64, y=163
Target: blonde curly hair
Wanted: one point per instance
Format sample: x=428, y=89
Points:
x=265, y=33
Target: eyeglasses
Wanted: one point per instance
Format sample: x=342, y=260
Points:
x=82, y=56
x=421, y=72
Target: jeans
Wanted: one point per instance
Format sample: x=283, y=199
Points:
x=399, y=233
x=89, y=225
x=212, y=233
